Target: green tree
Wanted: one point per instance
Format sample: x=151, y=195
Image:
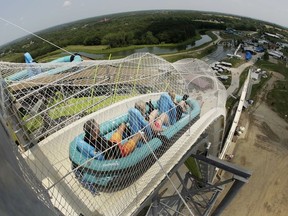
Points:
x=94, y=40
x=266, y=56
x=149, y=38
x=118, y=39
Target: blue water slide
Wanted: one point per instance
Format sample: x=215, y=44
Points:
x=33, y=70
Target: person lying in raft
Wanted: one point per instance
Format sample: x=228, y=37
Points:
x=112, y=148
x=154, y=120
x=181, y=107
x=173, y=109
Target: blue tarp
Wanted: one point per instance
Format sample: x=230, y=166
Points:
x=248, y=56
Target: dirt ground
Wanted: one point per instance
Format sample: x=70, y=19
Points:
x=263, y=149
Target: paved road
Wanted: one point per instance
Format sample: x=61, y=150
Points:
x=16, y=196
x=236, y=72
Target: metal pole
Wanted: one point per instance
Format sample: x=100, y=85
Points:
x=239, y=182
x=155, y=205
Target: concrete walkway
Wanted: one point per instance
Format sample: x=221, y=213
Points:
x=236, y=72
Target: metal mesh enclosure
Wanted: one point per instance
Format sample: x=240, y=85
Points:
x=101, y=135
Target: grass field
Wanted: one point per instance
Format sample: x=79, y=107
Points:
x=227, y=82
x=77, y=105
x=277, y=98
x=269, y=66
x=72, y=107
x=257, y=87
x=243, y=77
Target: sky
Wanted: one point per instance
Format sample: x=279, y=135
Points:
x=35, y=15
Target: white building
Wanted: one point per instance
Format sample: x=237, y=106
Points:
x=272, y=35
x=276, y=54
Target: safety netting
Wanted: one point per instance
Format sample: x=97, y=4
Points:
x=100, y=136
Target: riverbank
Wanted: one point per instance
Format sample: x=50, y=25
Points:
x=201, y=47
x=198, y=52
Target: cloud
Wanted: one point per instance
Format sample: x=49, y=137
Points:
x=67, y=3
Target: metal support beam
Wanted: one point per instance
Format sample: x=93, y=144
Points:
x=240, y=178
x=237, y=185
x=225, y=165
x=200, y=195
x=201, y=140
x=155, y=206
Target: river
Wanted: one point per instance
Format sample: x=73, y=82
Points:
x=219, y=54
x=157, y=50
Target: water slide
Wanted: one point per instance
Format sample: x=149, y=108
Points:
x=119, y=84
x=62, y=183
x=34, y=69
